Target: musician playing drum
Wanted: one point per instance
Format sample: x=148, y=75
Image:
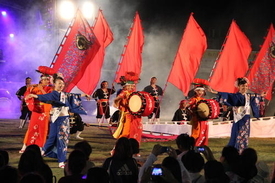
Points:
x=156, y=91
x=102, y=96
x=130, y=125
x=182, y=113
x=199, y=126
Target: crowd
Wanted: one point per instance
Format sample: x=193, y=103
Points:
x=183, y=163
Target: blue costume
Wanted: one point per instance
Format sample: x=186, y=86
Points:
x=241, y=125
x=58, y=139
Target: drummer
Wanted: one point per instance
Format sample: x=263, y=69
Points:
x=130, y=126
x=156, y=91
x=199, y=127
x=182, y=113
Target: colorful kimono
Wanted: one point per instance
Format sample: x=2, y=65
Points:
x=58, y=139
x=241, y=125
x=199, y=127
x=130, y=126
x=38, y=127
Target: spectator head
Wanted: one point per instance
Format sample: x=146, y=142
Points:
x=193, y=161
x=229, y=155
x=5, y=155
x=9, y=175
x=32, y=178
x=135, y=145
x=247, y=167
x=76, y=162
x=2, y=162
x=185, y=142
x=123, y=149
x=30, y=161
x=214, y=172
x=173, y=166
x=97, y=175
x=35, y=148
x=85, y=147
x=249, y=155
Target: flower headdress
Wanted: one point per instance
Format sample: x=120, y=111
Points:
x=200, y=84
x=129, y=78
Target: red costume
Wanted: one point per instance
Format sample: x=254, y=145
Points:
x=39, y=122
x=199, y=127
x=130, y=126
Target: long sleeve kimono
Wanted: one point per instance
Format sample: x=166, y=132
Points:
x=58, y=139
x=38, y=127
x=242, y=105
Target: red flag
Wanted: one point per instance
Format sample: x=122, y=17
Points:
x=261, y=75
x=131, y=60
x=91, y=77
x=232, y=62
x=193, y=45
x=77, y=49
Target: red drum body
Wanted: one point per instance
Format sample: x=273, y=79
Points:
x=141, y=103
x=208, y=109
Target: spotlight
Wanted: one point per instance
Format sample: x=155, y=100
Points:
x=67, y=9
x=87, y=9
x=11, y=35
x=4, y=13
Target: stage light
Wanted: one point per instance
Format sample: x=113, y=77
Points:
x=11, y=35
x=87, y=9
x=4, y=13
x=67, y=9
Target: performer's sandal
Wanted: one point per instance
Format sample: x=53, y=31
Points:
x=21, y=151
x=61, y=165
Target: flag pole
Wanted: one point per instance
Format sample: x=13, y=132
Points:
x=249, y=70
x=63, y=40
x=216, y=61
x=166, y=83
x=165, y=86
x=124, y=48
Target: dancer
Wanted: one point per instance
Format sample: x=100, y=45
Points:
x=102, y=96
x=25, y=112
x=242, y=103
x=156, y=92
x=182, y=113
x=199, y=126
x=58, y=139
x=38, y=127
x=130, y=126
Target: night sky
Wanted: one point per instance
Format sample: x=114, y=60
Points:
x=214, y=16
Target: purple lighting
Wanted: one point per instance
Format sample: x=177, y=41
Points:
x=4, y=13
x=11, y=35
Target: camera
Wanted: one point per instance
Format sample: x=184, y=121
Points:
x=199, y=149
x=157, y=171
x=164, y=149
